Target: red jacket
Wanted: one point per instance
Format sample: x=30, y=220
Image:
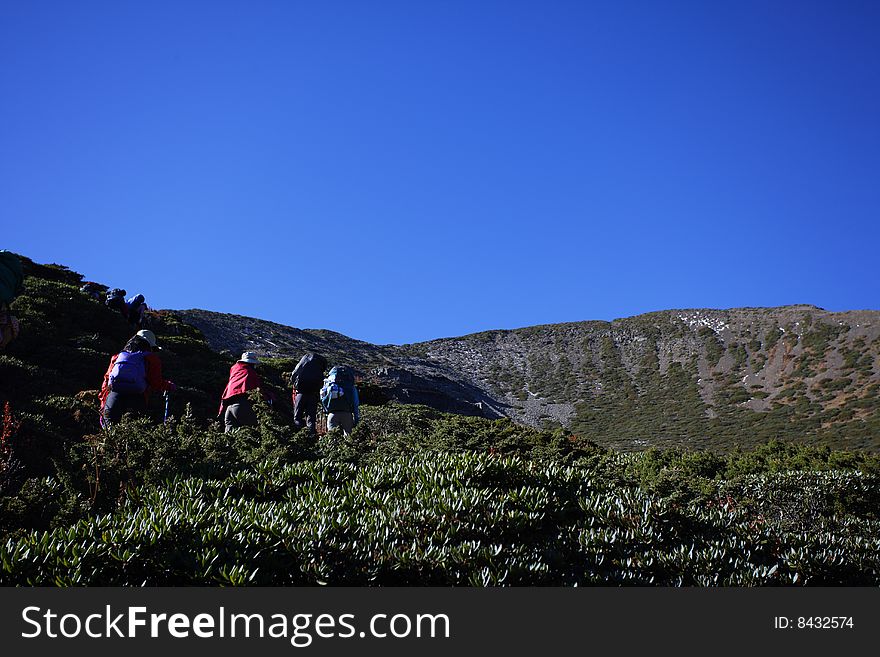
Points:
x=155, y=382
x=243, y=377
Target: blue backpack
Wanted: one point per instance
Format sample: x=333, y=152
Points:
x=338, y=394
x=136, y=301
x=129, y=373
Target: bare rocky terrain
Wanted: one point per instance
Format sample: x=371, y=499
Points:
x=669, y=377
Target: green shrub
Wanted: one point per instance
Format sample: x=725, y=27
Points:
x=714, y=348
x=467, y=519
x=772, y=337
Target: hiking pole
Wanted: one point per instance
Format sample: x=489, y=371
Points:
x=167, y=396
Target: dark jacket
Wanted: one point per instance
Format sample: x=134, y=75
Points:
x=308, y=375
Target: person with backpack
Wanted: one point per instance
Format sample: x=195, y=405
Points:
x=307, y=378
x=93, y=290
x=11, y=285
x=136, y=307
x=116, y=301
x=235, y=406
x=339, y=397
x=133, y=374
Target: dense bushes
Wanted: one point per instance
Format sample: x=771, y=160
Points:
x=415, y=496
x=454, y=518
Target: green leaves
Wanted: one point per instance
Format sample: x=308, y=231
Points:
x=461, y=519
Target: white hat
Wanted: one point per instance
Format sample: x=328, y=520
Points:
x=149, y=336
x=249, y=357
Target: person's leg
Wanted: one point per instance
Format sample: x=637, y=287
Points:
x=113, y=408
x=229, y=417
x=298, y=411
x=347, y=423
x=240, y=414
x=310, y=409
x=119, y=403
x=341, y=420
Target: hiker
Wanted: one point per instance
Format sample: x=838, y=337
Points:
x=136, y=307
x=11, y=279
x=116, y=301
x=133, y=374
x=92, y=290
x=307, y=378
x=339, y=397
x=235, y=407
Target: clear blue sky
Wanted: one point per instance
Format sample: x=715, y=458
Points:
x=399, y=171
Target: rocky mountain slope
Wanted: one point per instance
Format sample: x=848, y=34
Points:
x=390, y=371
x=680, y=378
x=697, y=378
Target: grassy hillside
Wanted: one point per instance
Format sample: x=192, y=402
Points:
x=414, y=496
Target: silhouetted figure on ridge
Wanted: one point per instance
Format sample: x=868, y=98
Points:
x=136, y=307
x=116, y=301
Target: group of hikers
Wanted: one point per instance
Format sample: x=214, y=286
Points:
x=131, y=309
x=136, y=371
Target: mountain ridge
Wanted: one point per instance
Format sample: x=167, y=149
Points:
x=796, y=363
x=687, y=378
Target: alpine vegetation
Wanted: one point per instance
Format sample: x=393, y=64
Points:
x=648, y=467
